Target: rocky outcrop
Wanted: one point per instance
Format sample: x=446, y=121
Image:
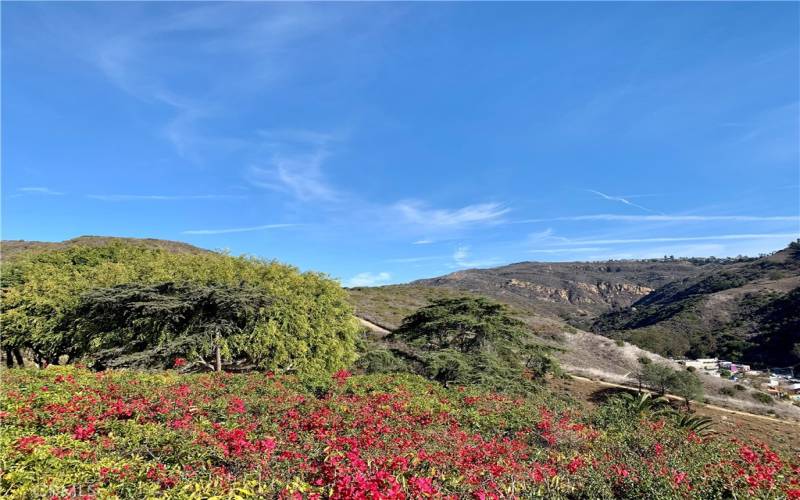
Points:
x=583, y=293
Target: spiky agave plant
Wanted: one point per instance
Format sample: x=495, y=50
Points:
x=644, y=403
x=702, y=426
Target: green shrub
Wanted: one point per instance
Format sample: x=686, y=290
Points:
x=727, y=391
x=762, y=397
x=381, y=361
x=310, y=328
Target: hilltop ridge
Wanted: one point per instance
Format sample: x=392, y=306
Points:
x=11, y=248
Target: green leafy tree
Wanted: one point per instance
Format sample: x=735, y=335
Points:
x=657, y=377
x=687, y=385
x=471, y=340
x=203, y=322
x=310, y=329
x=465, y=324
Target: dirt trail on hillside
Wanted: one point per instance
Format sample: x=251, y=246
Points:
x=373, y=327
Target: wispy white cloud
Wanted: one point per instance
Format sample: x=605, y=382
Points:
x=415, y=212
x=238, y=229
x=369, y=279
x=136, y=56
x=45, y=191
x=619, y=199
x=160, y=197
x=423, y=242
x=295, y=165
x=668, y=218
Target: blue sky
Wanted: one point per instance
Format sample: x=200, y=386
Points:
x=381, y=143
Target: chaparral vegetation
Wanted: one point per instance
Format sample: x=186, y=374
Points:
x=203, y=375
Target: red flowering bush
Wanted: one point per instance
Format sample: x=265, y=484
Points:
x=69, y=432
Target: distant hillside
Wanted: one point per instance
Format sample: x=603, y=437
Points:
x=746, y=311
x=574, y=291
x=11, y=248
x=579, y=352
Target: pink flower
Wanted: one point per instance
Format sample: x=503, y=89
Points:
x=423, y=485
x=83, y=433
x=748, y=455
x=575, y=464
x=235, y=406
x=341, y=376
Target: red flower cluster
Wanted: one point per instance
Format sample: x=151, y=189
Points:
x=369, y=437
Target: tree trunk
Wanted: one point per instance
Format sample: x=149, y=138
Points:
x=217, y=353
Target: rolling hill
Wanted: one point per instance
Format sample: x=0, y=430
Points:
x=11, y=248
x=745, y=309
x=573, y=291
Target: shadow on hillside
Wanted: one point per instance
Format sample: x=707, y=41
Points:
x=600, y=396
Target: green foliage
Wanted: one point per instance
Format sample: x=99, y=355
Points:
x=474, y=341
x=381, y=361
x=465, y=324
x=448, y=365
x=727, y=391
x=310, y=326
x=702, y=426
x=687, y=385
x=663, y=379
x=643, y=404
x=181, y=320
x=657, y=377
x=762, y=397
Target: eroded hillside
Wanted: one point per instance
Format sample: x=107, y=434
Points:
x=744, y=310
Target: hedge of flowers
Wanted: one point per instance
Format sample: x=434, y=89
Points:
x=72, y=433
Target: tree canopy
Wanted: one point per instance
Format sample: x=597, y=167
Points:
x=310, y=327
x=469, y=340
x=151, y=325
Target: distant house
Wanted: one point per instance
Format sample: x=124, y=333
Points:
x=794, y=389
x=707, y=364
